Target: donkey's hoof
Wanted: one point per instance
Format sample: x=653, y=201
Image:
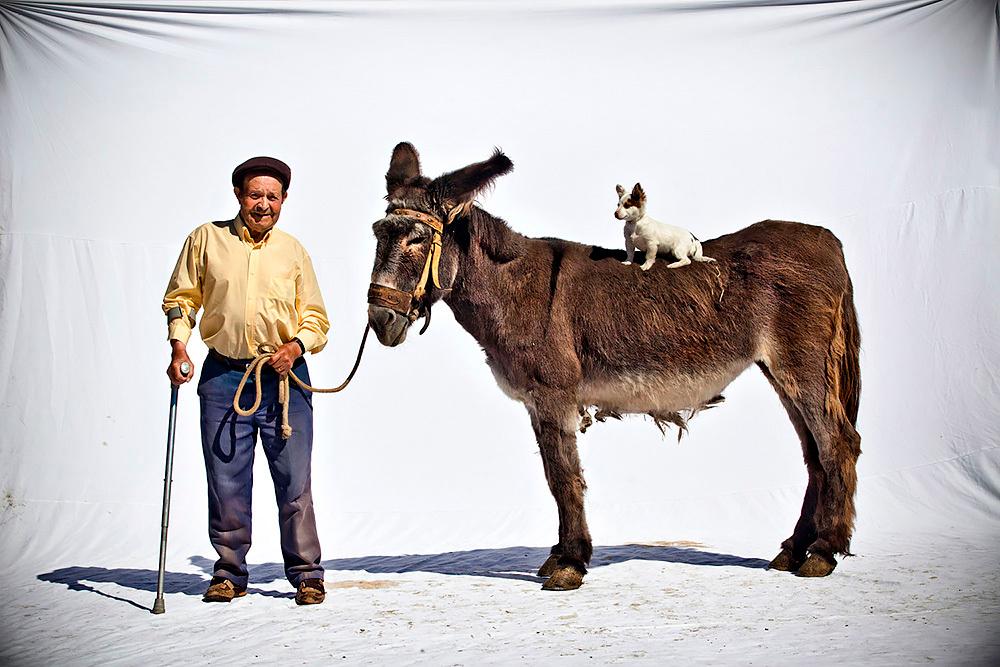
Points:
x=785, y=562
x=566, y=578
x=549, y=566
x=816, y=566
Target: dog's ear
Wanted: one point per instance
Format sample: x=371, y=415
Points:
x=620, y=190
x=404, y=167
x=638, y=194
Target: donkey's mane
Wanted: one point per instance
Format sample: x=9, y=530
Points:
x=501, y=244
x=493, y=235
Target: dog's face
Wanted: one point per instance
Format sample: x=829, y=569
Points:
x=631, y=205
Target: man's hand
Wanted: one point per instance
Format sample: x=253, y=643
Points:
x=281, y=361
x=178, y=356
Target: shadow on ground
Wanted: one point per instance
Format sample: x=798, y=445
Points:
x=507, y=563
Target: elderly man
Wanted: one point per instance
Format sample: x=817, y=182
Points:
x=257, y=286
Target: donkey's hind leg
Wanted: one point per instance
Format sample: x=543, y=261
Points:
x=793, y=550
x=555, y=430
x=837, y=447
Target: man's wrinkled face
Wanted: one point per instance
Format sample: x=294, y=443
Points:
x=260, y=202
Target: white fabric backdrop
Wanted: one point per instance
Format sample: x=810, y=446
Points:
x=878, y=120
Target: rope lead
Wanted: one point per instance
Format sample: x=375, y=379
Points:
x=257, y=365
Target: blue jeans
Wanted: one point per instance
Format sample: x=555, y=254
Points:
x=228, y=442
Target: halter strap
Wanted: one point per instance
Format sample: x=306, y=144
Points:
x=433, y=255
x=409, y=303
x=431, y=221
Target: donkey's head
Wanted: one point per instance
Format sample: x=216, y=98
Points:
x=416, y=259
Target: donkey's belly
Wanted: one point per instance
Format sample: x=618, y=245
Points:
x=656, y=392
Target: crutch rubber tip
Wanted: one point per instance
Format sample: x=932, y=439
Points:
x=158, y=607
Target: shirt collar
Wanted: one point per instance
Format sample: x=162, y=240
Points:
x=243, y=231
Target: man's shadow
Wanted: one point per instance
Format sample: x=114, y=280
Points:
x=506, y=563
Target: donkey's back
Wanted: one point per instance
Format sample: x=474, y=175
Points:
x=669, y=339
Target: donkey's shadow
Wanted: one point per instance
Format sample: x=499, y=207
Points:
x=506, y=563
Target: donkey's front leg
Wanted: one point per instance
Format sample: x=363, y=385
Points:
x=555, y=430
x=551, y=563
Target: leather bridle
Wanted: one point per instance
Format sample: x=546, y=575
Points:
x=411, y=304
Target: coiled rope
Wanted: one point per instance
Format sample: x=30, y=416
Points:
x=257, y=365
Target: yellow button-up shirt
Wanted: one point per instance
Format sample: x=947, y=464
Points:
x=252, y=292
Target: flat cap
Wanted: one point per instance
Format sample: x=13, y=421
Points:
x=266, y=165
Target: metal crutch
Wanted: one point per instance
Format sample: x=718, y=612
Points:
x=158, y=607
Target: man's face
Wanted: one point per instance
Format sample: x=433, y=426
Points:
x=260, y=202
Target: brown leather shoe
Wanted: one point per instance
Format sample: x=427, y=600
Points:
x=311, y=591
x=223, y=590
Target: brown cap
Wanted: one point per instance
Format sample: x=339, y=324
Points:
x=265, y=165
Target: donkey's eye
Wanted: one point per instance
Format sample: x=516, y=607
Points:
x=416, y=240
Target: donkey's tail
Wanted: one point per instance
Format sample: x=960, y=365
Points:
x=849, y=371
x=843, y=372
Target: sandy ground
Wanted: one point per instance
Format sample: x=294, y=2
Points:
x=903, y=600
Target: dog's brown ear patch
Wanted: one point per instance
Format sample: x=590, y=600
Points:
x=638, y=195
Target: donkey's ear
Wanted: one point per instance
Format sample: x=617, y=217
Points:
x=638, y=193
x=461, y=187
x=404, y=167
x=620, y=190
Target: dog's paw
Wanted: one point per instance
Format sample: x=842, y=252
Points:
x=626, y=263
x=646, y=267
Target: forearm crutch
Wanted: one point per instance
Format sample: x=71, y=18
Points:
x=158, y=607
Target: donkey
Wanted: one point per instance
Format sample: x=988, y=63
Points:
x=566, y=325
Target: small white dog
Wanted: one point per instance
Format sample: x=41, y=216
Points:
x=652, y=236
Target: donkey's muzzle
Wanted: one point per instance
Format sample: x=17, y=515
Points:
x=390, y=313
x=389, y=326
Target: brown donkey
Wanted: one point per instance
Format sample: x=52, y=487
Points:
x=566, y=326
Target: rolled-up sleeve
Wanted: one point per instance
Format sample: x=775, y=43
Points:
x=184, y=292
x=313, y=321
